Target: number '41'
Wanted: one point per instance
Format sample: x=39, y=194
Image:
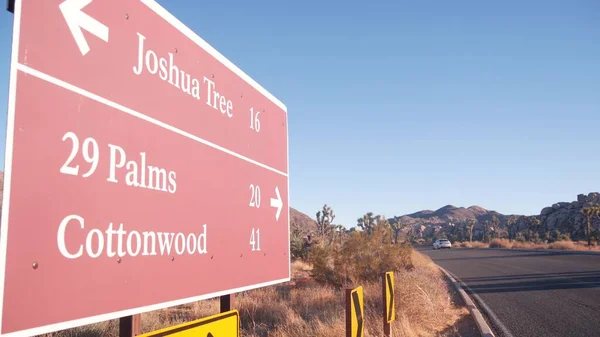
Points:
x=255, y=240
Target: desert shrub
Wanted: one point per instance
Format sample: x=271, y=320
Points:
x=595, y=236
x=361, y=258
x=563, y=237
x=478, y=244
x=500, y=243
x=520, y=237
x=322, y=258
x=562, y=245
x=529, y=245
x=299, y=246
x=521, y=244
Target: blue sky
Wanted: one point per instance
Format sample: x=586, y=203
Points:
x=398, y=106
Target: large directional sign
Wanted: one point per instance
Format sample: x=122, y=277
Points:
x=389, y=306
x=355, y=326
x=143, y=169
x=226, y=324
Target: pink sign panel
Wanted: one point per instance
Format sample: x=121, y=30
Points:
x=143, y=169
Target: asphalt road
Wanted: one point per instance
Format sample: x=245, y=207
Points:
x=529, y=293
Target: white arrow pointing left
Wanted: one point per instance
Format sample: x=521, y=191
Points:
x=78, y=20
x=277, y=203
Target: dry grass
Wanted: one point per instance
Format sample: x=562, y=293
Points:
x=579, y=245
x=527, y=245
x=557, y=245
x=474, y=244
x=102, y=329
x=300, y=269
x=304, y=308
x=424, y=304
x=562, y=245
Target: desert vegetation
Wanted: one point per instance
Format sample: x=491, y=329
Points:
x=326, y=260
x=526, y=233
x=577, y=221
x=505, y=243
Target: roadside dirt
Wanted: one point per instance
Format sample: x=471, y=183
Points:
x=466, y=326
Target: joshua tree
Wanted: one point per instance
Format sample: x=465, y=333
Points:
x=396, y=227
x=510, y=222
x=495, y=223
x=534, y=225
x=368, y=222
x=487, y=229
x=590, y=211
x=460, y=233
x=324, y=219
x=411, y=233
x=341, y=231
x=470, y=225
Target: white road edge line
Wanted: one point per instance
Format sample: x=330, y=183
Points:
x=99, y=99
x=481, y=323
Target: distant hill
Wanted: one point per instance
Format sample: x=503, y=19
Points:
x=449, y=214
x=301, y=222
x=564, y=217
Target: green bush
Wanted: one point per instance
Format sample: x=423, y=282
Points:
x=361, y=258
x=520, y=237
x=299, y=246
x=321, y=257
x=564, y=237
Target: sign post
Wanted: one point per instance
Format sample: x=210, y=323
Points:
x=227, y=302
x=133, y=148
x=355, y=312
x=389, y=306
x=129, y=326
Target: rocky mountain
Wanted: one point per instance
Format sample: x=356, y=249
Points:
x=564, y=217
x=450, y=219
x=567, y=217
x=447, y=214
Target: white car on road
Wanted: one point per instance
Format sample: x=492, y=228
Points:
x=442, y=243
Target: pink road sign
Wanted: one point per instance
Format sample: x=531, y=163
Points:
x=143, y=169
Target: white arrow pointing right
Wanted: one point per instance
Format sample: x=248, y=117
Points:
x=77, y=20
x=277, y=203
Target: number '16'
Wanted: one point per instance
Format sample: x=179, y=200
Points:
x=254, y=121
